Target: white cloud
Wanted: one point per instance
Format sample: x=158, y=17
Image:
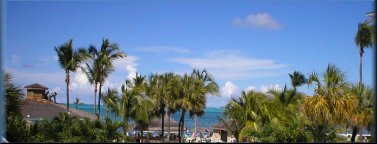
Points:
x=160, y=49
x=258, y=20
x=265, y=88
x=229, y=89
x=228, y=66
x=127, y=64
x=249, y=88
x=80, y=85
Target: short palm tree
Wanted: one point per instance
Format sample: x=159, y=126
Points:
x=330, y=105
x=364, y=115
x=297, y=79
x=125, y=106
x=108, y=98
x=206, y=84
x=69, y=60
x=249, y=111
x=77, y=101
x=184, y=99
x=13, y=95
x=171, y=103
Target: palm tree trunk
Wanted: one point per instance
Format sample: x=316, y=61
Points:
x=99, y=100
x=360, y=67
x=168, y=126
x=179, y=130
x=181, y=126
x=95, y=97
x=107, y=112
x=354, y=133
x=67, y=81
x=196, y=120
x=142, y=134
x=162, y=127
x=125, y=125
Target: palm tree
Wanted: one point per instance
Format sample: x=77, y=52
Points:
x=297, y=79
x=206, y=85
x=171, y=103
x=126, y=105
x=69, y=60
x=105, y=56
x=110, y=96
x=363, y=117
x=249, y=111
x=143, y=109
x=161, y=88
x=186, y=92
x=364, y=38
x=329, y=105
x=92, y=72
x=13, y=95
x=77, y=101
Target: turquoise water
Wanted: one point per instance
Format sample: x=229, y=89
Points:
x=211, y=115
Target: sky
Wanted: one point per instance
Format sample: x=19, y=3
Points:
x=244, y=44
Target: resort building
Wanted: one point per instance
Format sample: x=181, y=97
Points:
x=220, y=134
x=37, y=106
x=155, y=125
x=36, y=92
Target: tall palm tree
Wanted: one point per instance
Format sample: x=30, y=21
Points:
x=69, y=60
x=364, y=38
x=329, y=105
x=92, y=72
x=206, y=85
x=106, y=55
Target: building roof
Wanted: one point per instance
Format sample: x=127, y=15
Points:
x=200, y=129
x=36, y=86
x=155, y=124
x=219, y=126
x=45, y=109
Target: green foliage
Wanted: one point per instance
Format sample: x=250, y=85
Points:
x=64, y=128
x=18, y=130
x=13, y=95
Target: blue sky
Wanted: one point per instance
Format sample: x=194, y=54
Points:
x=243, y=44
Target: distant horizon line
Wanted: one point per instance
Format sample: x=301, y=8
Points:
x=105, y=105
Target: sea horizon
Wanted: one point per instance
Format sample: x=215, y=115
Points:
x=207, y=120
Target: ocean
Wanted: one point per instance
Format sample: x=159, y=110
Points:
x=208, y=119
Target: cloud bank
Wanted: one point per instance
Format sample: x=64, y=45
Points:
x=227, y=66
